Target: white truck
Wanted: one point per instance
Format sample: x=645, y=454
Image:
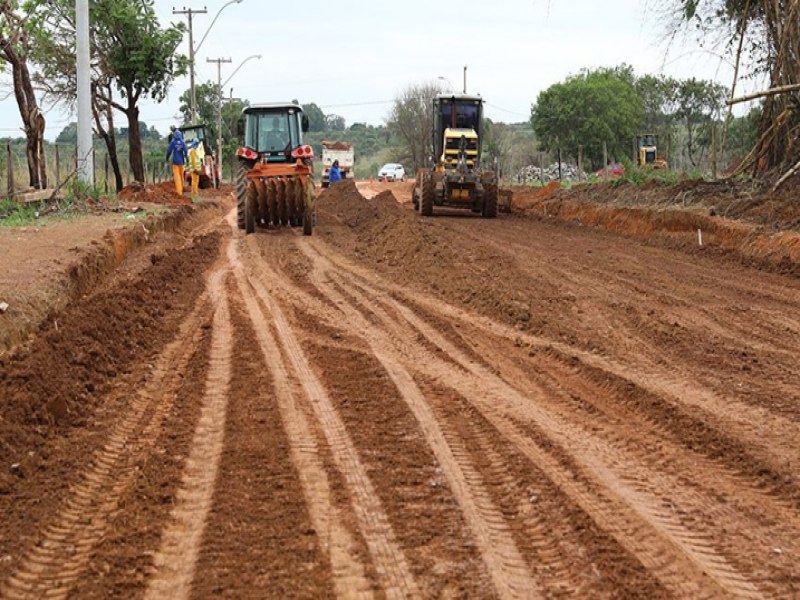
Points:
x=341, y=151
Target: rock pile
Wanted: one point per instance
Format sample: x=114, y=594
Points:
x=534, y=174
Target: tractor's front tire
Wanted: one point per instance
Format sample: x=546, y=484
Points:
x=241, y=194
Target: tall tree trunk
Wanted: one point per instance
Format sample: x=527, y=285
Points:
x=13, y=49
x=108, y=134
x=135, y=143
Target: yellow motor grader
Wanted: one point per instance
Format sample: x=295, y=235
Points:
x=274, y=179
x=456, y=179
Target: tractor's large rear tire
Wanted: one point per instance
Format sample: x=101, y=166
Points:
x=241, y=194
x=426, y=198
x=489, y=199
x=250, y=208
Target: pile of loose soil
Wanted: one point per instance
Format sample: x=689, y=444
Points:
x=382, y=232
x=160, y=193
x=61, y=376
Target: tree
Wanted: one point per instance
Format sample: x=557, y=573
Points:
x=68, y=135
x=142, y=58
x=316, y=118
x=697, y=103
x=129, y=53
x=587, y=110
x=411, y=119
x=335, y=123
x=15, y=49
x=766, y=36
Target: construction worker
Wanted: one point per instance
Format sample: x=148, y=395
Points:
x=177, y=150
x=334, y=174
x=195, y=166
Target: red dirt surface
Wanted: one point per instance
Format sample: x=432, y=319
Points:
x=402, y=406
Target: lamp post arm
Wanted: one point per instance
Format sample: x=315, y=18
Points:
x=210, y=27
x=258, y=56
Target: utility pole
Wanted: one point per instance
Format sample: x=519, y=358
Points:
x=85, y=154
x=189, y=12
x=465, y=79
x=220, y=62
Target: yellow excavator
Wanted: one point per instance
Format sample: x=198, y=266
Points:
x=456, y=180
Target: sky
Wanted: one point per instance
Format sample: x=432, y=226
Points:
x=352, y=57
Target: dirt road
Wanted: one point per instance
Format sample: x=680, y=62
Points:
x=452, y=407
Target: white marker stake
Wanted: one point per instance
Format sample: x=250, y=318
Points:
x=699, y=236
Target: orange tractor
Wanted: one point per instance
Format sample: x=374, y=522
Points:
x=274, y=179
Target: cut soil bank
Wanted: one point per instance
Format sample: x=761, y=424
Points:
x=753, y=226
x=46, y=268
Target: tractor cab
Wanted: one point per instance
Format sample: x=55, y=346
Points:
x=273, y=133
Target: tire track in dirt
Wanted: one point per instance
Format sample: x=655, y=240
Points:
x=768, y=435
x=597, y=458
x=693, y=552
x=260, y=540
x=61, y=555
x=180, y=544
x=349, y=573
x=508, y=569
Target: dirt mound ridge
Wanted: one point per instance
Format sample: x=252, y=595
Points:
x=58, y=380
x=344, y=203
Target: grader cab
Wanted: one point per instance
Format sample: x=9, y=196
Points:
x=456, y=179
x=274, y=181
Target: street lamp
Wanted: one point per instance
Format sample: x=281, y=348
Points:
x=192, y=50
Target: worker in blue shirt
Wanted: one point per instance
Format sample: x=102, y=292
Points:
x=177, y=150
x=334, y=174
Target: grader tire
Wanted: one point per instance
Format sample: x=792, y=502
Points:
x=250, y=208
x=489, y=200
x=426, y=199
x=241, y=194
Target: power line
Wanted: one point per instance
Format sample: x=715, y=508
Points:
x=505, y=110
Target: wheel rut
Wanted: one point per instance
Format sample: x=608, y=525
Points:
x=391, y=566
x=509, y=571
x=53, y=565
x=180, y=545
x=504, y=406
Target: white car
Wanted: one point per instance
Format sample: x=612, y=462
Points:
x=392, y=172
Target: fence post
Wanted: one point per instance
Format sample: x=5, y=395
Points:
x=10, y=171
x=58, y=167
x=605, y=160
x=580, y=161
x=105, y=171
